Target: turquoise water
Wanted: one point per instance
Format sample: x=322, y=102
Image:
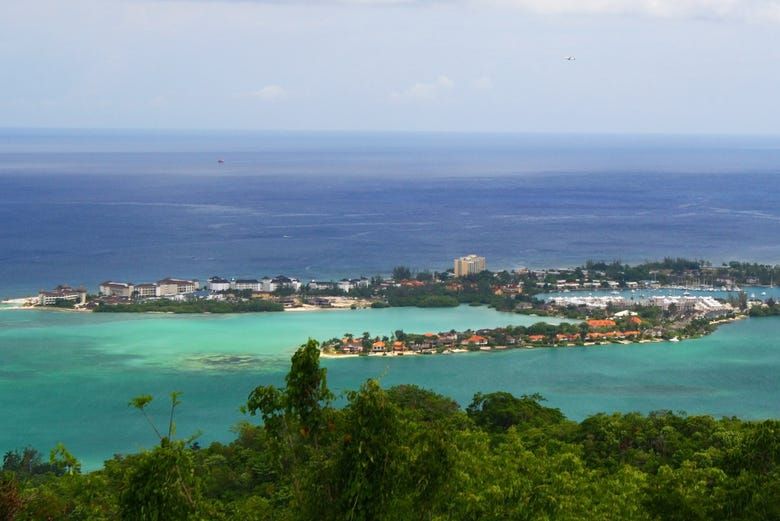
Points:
x=67, y=376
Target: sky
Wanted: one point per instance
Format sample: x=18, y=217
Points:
x=642, y=66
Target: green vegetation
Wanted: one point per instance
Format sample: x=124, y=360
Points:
x=659, y=270
x=193, y=306
x=476, y=289
x=402, y=273
x=771, y=309
x=407, y=453
x=763, y=273
x=422, y=300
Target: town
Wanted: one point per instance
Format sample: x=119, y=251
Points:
x=592, y=291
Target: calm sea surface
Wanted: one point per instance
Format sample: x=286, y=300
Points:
x=79, y=207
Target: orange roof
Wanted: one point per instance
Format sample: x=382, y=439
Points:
x=635, y=320
x=429, y=335
x=476, y=339
x=378, y=344
x=631, y=333
x=536, y=338
x=601, y=323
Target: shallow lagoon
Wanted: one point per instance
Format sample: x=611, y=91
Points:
x=67, y=376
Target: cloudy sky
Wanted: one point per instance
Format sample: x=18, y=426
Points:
x=667, y=66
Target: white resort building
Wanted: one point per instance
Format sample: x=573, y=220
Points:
x=60, y=294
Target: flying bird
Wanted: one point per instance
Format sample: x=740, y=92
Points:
x=570, y=58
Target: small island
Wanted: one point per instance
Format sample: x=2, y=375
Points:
x=641, y=325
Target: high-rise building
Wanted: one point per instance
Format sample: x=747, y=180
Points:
x=469, y=265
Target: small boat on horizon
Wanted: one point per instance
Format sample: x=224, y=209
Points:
x=220, y=161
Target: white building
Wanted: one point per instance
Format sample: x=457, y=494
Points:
x=171, y=287
x=147, y=290
x=116, y=289
x=244, y=284
x=282, y=282
x=600, y=302
x=267, y=284
x=321, y=285
x=362, y=282
x=216, y=284
x=62, y=293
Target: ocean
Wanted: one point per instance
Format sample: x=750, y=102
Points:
x=79, y=207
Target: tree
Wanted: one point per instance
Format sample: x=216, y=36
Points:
x=500, y=410
x=296, y=419
x=401, y=273
x=425, y=276
x=11, y=502
x=62, y=460
x=160, y=485
x=366, y=471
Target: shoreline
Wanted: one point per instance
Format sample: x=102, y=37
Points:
x=490, y=349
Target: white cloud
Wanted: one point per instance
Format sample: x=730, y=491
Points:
x=739, y=10
x=483, y=83
x=270, y=93
x=751, y=10
x=424, y=91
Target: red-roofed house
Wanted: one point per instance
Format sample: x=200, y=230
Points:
x=601, y=323
x=476, y=340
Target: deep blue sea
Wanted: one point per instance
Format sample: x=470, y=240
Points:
x=79, y=207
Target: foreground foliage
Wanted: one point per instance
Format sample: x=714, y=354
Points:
x=408, y=453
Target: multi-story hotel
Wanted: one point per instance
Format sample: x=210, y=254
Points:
x=116, y=289
x=469, y=265
x=171, y=287
x=62, y=293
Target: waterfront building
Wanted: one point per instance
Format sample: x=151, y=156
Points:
x=362, y=282
x=244, y=284
x=146, y=290
x=267, y=285
x=282, y=282
x=321, y=285
x=469, y=265
x=476, y=340
x=62, y=293
x=116, y=289
x=171, y=287
x=345, y=285
x=216, y=284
